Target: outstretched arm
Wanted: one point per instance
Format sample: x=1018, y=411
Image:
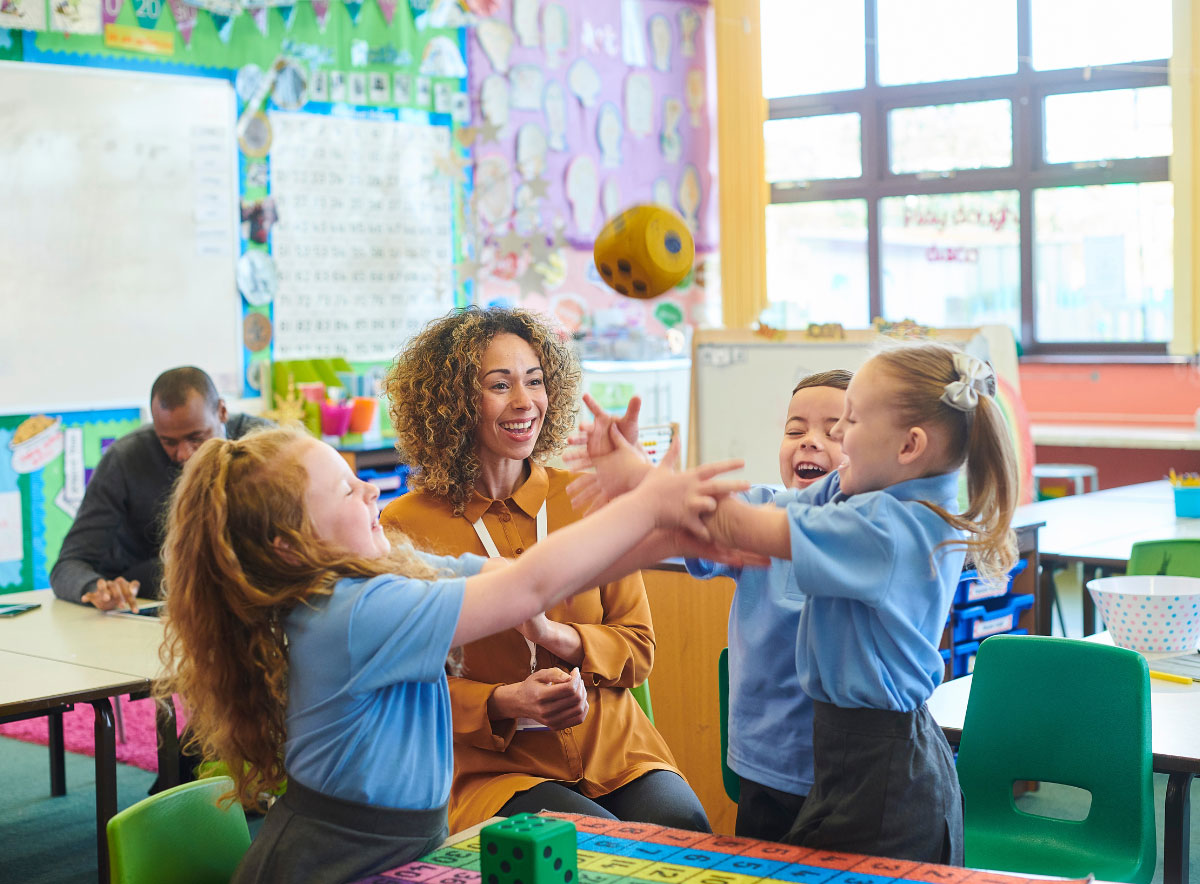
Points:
x=582, y=554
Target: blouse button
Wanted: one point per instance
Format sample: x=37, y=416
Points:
x=504, y=517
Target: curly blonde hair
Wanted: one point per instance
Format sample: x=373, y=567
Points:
x=240, y=553
x=435, y=394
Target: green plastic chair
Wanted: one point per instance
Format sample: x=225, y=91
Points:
x=642, y=694
x=730, y=780
x=1059, y=710
x=1177, y=557
x=179, y=836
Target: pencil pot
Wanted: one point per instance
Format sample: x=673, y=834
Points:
x=335, y=418
x=1187, y=502
x=1150, y=613
x=362, y=414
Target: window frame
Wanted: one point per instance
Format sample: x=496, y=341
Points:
x=1026, y=90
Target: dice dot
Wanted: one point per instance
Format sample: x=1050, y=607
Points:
x=546, y=852
x=492, y=879
x=518, y=853
x=505, y=866
x=491, y=848
x=557, y=862
x=639, y=285
x=624, y=266
x=568, y=876
x=606, y=270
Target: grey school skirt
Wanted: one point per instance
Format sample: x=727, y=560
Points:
x=317, y=839
x=885, y=785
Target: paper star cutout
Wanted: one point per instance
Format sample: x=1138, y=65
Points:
x=559, y=239
x=539, y=249
x=511, y=243
x=489, y=131
x=468, y=269
x=451, y=165
x=466, y=135
x=538, y=188
x=288, y=409
x=531, y=282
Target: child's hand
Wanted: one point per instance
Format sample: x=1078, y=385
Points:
x=683, y=499
x=620, y=468
x=553, y=698
x=592, y=440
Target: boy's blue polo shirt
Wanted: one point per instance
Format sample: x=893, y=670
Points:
x=770, y=717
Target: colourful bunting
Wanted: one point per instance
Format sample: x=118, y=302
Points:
x=388, y=8
x=110, y=10
x=321, y=11
x=224, y=26
x=354, y=7
x=185, y=19
x=288, y=12
x=259, y=14
x=147, y=13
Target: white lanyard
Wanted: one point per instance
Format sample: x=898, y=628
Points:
x=490, y=546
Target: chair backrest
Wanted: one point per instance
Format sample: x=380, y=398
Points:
x=1065, y=711
x=183, y=835
x=642, y=694
x=731, y=781
x=1177, y=557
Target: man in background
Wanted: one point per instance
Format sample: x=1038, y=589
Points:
x=110, y=555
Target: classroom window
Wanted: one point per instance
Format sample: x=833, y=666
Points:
x=952, y=260
x=800, y=150
x=817, y=263
x=1002, y=164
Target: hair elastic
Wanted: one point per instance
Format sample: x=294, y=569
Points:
x=975, y=377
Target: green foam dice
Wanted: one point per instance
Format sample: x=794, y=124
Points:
x=529, y=849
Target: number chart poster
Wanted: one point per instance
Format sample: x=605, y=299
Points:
x=45, y=462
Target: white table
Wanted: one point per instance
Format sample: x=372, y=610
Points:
x=63, y=653
x=1098, y=530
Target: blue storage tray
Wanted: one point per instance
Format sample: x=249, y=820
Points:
x=971, y=590
x=964, y=655
x=980, y=621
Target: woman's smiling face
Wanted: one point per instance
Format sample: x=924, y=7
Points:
x=513, y=402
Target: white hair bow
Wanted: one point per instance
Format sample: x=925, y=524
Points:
x=974, y=377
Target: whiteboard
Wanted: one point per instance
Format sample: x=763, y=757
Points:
x=742, y=384
x=118, y=234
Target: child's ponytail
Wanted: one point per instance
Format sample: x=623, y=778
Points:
x=943, y=387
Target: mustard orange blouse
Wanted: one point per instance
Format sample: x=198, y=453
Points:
x=492, y=760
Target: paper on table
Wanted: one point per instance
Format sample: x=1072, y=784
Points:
x=1185, y=664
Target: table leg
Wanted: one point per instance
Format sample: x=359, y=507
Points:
x=1043, y=621
x=106, y=781
x=58, y=758
x=1177, y=829
x=168, y=742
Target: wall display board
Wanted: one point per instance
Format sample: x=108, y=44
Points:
x=46, y=460
x=117, y=233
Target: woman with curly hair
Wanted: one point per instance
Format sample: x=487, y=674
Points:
x=543, y=716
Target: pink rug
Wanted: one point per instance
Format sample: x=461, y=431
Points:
x=141, y=740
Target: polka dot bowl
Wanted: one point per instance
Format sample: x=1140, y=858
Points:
x=1150, y=613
